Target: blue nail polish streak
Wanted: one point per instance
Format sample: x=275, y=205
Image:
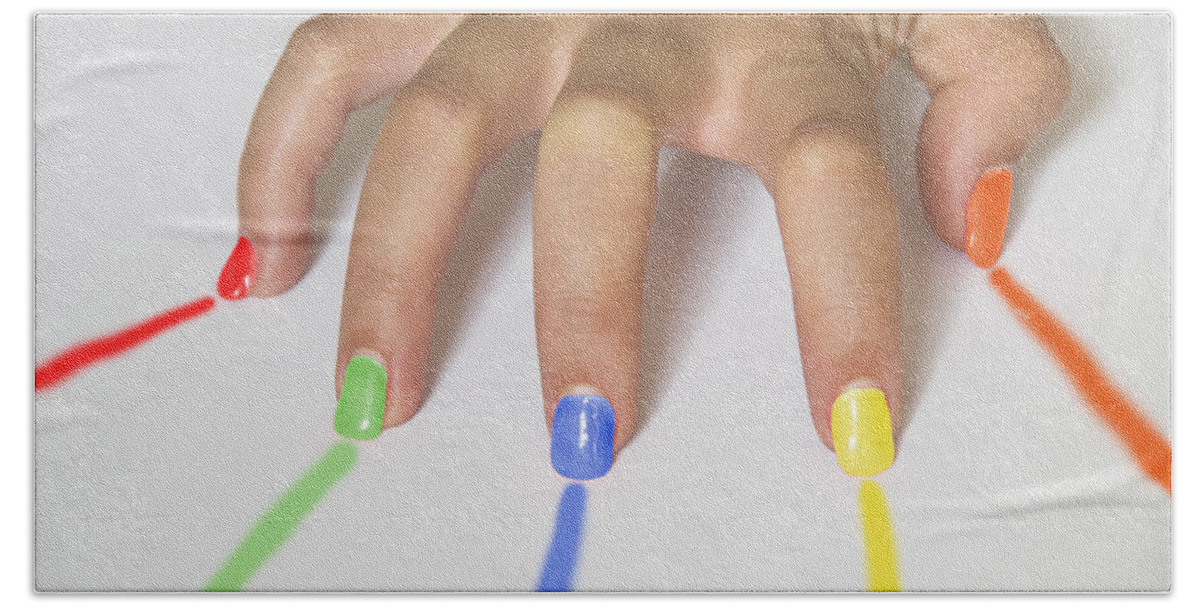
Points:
x=581, y=440
x=558, y=573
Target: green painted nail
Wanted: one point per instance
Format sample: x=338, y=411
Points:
x=360, y=407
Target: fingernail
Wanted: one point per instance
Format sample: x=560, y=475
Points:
x=862, y=432
x=581, y=437
x=987, y=217
x=238, y=274
x=360, y=407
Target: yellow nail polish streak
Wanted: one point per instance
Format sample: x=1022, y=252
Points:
x=883, y=571
x=862, y=432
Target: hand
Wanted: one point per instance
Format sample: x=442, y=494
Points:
x=790, y=96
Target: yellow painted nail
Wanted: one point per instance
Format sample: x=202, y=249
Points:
x=862, y=432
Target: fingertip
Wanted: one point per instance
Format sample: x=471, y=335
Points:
x=967, y=204
x=394, y=415
x=404, y=400
x=279, y=265
x=371, y=390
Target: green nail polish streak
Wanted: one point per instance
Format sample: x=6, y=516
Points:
x=360, y=407
x=277, y=524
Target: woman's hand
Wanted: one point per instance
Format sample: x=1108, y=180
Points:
x=790, y=96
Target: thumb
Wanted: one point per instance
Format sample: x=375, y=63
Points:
x=995, y=82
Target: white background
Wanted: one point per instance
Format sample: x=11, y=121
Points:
x=1130, y=334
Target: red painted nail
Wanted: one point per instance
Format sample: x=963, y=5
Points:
x=238, y=274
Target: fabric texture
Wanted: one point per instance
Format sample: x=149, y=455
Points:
x=152, y=467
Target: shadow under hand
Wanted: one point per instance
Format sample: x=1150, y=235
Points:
x=1090, y=83
x=345, y=171
x=680, y=265
x=932, y=273
x=501, y=204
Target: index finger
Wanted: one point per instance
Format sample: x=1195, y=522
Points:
x=331, y=66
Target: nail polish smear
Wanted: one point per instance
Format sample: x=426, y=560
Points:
x=862, y=432
x=558, y=571
x=279, y=522
x=581, y=436
x=73, y=360
x=1149, y=448
x=238, y=274
x=360, y=406
x=883, y=570
x=987, y=217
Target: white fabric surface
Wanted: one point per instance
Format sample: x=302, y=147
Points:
x=151, y=467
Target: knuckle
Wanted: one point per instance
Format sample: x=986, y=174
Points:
x=1042, y=86
x=580, y=106
x=594, y=115
x=824, y=148
x=1054, y=76
x=435, y=99
x=318, y=47
x=1037, y=69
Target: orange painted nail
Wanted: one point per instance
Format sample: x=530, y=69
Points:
x=987, y=217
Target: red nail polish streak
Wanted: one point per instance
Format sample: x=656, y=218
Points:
x=1148, y=447
x=238, y=274
x=68, y=363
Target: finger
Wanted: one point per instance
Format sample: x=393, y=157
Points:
x=837, y=217
x=331, y=66
x=419, y=181
x=593, y=206
x=442, y=130
x=996, y=83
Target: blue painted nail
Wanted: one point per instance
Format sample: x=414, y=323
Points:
x=581, y=438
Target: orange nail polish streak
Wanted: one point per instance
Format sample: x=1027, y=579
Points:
x=987, y=217
x=1150, y=449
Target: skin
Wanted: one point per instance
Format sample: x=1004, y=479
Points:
x=789, y=96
